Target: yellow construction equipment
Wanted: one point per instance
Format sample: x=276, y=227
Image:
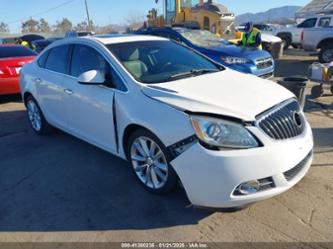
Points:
x=207, y=15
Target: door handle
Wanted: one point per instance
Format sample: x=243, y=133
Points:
x=68, y=91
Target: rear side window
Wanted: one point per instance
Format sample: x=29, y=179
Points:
x=324, y=22
x=57, y=59
x=15, y=51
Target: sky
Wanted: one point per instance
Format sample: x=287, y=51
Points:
x=104, y=12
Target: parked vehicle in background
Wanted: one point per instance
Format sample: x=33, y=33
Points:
x=230, y=138
x=320, y=39
x=293, y=35
x=12, y=58
x=248, y=60
x=30, y=38
x=272, y=44
x=72, y=34
x=8, y=40
x=40, y=45
x=288, y=35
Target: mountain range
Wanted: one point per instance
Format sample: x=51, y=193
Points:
x=276, y=15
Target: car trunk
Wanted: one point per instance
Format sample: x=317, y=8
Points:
x=11, y=67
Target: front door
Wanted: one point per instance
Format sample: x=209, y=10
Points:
x=89, y=107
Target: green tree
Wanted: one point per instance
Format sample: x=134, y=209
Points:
x=30, y=26
x=83, y=26
x=4, y=28
x=43, y=26
x=63, y=26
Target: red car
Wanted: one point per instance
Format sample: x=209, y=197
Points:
x=12, y=58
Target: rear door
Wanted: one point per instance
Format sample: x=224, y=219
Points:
x=53, y=65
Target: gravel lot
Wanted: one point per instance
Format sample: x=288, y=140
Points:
x=60, y=189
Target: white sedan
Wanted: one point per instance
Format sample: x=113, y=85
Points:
x=229, y=138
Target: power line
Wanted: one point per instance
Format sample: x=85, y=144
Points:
x=42, y=12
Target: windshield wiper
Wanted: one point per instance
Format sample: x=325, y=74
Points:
x=194, y=72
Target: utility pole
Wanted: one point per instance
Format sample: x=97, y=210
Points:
x=88, y=16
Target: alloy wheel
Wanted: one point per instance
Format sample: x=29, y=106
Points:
x=328, y=55
x=149, y=162
x=34, y=115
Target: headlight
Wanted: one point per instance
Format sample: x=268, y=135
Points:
x=234, y=60
x=222, y=133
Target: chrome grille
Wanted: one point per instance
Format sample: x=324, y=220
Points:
x=266, y=76
x=282, y=122
x=290, y=174
x=264, y=63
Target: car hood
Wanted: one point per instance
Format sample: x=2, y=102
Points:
x=270, y=38
x=227, y=93
x=235, y=51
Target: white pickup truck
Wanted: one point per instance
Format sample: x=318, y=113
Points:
x=293, y=35
x=320, y=39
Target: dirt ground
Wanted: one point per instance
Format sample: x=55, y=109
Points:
x=60, y=189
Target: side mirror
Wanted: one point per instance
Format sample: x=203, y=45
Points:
x=92, y=77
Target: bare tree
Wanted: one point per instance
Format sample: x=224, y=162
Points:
x=29, y=26
x=64, y=26
x=83, y=26
x=135, y=21
x=4, y=28
x=43, y=26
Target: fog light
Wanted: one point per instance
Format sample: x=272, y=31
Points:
x=250, y=187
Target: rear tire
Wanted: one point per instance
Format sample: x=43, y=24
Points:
x=326, y=54
x=36, y=117
x=332, y=89
x=150, y=162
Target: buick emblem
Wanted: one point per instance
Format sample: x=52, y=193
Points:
x=297, y=119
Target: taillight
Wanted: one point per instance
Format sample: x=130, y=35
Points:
x=2, y=71
x=302, y=36
x=5, y=71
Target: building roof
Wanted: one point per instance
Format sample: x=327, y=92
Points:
x=315, y=7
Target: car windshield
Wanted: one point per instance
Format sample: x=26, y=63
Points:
x=203, y=38
x=161, y=61
x=15, y=51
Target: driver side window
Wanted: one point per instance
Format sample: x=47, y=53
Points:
x=85, y=58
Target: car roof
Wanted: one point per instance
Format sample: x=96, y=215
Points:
x=172, y=29
x=107, y=39
x=122, y=38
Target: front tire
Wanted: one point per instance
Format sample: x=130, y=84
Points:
x=150, y=162
x=36, y=117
